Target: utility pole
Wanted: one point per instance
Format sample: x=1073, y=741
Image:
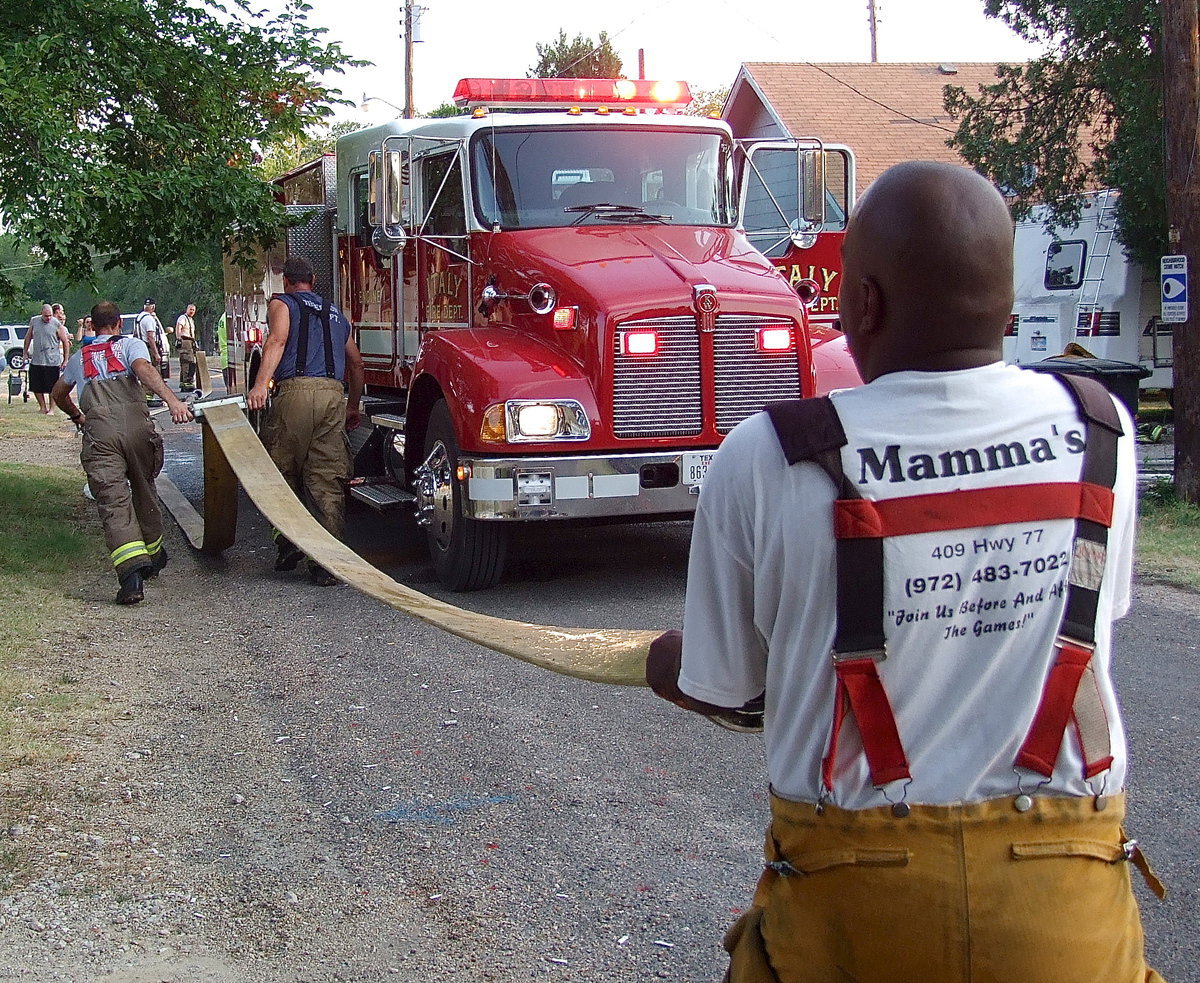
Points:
x=1181, y=93
x=409, y=112
x=871, y=13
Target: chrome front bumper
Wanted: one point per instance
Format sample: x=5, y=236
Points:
x=629, y=485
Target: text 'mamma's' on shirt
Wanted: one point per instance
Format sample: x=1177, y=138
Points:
x=971, y=615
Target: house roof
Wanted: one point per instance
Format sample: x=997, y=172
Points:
x=885, y=112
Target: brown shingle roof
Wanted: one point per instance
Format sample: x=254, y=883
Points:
x=885, y=112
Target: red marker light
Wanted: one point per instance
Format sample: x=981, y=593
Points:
x=564, y=93
x=564, y=318
x=639, y=343
x=775, y=339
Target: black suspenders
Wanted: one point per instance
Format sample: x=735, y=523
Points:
x=302, y=340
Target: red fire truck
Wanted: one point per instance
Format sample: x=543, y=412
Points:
x=559, y=313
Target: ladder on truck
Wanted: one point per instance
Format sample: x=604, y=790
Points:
x=1088, y=314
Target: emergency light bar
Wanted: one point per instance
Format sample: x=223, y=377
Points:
x=565, y=93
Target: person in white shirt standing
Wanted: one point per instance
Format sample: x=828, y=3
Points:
x=148, y=328
x=185, y=343
x=47, y=345
x=914, y=583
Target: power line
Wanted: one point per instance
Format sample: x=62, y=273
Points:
x=841, y=81
x=609, y=37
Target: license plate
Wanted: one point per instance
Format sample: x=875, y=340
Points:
x=695, y=467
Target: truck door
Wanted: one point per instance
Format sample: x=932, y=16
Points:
x=442, y=257
x=368, y=292
x=795, y=200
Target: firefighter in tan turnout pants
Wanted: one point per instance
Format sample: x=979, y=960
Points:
x=912, y=584
x=122, y=452
x=309, y=351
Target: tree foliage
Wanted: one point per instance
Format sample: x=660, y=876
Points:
x=447, y=109
x=195, y=278
x=284, y=155
x=707, y=102
x=577, y=59
x=1087, y=114
x=130, y=128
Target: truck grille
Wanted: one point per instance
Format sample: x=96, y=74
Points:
x=659, y=395
x=748, y=379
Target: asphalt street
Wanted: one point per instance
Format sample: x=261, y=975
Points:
x=558, y=827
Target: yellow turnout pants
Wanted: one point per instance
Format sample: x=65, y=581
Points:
x=975, y=893
x=305, y=435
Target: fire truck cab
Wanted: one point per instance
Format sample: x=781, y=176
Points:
x=559, y=313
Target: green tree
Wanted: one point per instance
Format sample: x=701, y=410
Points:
x=577, y=59
x=1088, y=113
x=707, y=102
x=130, y=128
x=446, y=109
x=194, y=278
x=284, y=155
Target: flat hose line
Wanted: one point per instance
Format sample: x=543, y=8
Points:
x=233, y=452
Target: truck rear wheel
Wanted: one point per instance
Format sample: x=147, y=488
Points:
x=468, y=554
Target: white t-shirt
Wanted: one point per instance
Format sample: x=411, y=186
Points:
x=128, y=350
x=147, y=327
x=971, y=614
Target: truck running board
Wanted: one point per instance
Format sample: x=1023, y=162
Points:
x=383, y=497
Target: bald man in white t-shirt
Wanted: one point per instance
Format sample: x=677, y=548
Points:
x=913, y=583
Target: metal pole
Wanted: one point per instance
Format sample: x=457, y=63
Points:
x=409, y=112
x=874, y=30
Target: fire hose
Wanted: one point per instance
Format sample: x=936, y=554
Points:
x=233, y=453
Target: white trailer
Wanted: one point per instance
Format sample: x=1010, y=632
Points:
x=1076, y=285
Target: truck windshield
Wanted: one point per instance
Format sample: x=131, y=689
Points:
x=540, y=178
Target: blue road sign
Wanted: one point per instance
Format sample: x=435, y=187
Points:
x=1174, y=272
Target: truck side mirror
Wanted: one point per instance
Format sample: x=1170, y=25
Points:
x=387, y=201
x=811, y=174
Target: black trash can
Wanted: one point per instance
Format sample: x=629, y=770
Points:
x=1122, y=379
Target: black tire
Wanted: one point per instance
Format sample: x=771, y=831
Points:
x=468, y=554
x=16, y=359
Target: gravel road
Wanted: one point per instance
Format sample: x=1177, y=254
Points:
x=296, y=784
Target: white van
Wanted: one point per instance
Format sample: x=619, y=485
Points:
x=1077, y=285
x=12, y=344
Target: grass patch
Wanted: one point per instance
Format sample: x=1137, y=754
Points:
x=20, y=419
x=50, y=535
x=1168, y=537
x=42, y=515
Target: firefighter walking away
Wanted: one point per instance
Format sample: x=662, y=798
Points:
x=122, y=451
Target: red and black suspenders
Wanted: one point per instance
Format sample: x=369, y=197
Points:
x=101, y=351
x=810, y=430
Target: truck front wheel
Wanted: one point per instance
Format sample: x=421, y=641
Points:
x=468, y=554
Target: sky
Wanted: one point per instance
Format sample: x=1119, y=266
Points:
x=700, y=41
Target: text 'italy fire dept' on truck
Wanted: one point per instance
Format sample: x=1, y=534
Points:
x=559, y=316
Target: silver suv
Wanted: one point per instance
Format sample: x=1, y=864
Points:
x=12, y=342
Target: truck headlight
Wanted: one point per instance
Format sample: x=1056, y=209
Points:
x=527, y=421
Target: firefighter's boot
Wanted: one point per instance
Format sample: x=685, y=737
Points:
x=320, y=576
x=157, y=562
x=288, y=555
x=131, y=587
